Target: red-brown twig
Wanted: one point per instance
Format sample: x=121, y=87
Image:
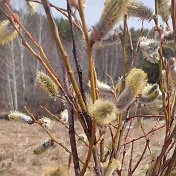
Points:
x=136, y=139
x=141, y=157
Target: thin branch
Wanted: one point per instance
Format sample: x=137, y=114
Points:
x=136, y=139
x=141, y=157
x=65, y=57
x=73, y=141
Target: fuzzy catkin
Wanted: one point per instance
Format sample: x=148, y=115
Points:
x=45, y=122
x=102, y=86
x=138, y=9
x=112, y=14
x=43, y=147
x=21, y=117
x=75, y=4
x=168, y=39
x=110, y=39
x=45, y=82
x=149, y=48
x=149, y=94
x=135, y=82
x=164, y=9
x=64, y=116
x=172, y=72
x=103, y=111
x=116, y=165
x=124, y=100
x=57, y=170
x=31, y=7
x=7, y=32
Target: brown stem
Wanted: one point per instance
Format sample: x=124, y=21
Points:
x=141, y=157
x=79, y=69
x=73, y=141
x=136, y=139
x=50, y=135
x=65, y=57
x=163, y=151
x=58, y=119
x=131, y=159
x=173, y=10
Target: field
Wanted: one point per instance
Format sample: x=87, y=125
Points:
x=18, y=140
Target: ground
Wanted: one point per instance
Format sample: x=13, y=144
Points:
x=17, y=141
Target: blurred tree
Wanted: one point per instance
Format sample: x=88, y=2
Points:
x=64, y=28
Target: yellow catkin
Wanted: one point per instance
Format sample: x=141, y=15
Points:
x=56, y=170
x=31, y=8
x=149, y=94
x=136, y=81
x=20, y=117
x=103, y=111
x=43, y=147
x=116, y=165
x=46, y=83
x=7, y=32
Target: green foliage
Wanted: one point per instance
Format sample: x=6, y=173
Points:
x=168, y=52
x=64, y=28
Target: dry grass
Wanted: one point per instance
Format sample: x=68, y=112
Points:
x=17, y=141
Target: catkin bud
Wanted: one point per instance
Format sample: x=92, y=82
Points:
x=135, y=82
x=116, y=165
x=46, y=122
x=110, y=39
x=31, y=7
x=124, y=100
x=172, y=71
x=43, y=147
x=103, y=111
x=164, y=9
x=45, y=82
x=168, y=37
x=75, y=4
x=64, y=116
x=138, y=9
x=102, y=86
x=18, y=116
x=149, y=48
x=149, y=94
x=112, y=14
x=7, y=32
x=56, y=170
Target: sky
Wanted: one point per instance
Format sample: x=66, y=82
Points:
x=94, y=8
x=93, y=12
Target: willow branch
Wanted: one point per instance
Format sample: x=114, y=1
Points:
x=65, y=57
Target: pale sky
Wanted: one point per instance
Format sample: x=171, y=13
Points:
x=93, y=11
x=94, y=8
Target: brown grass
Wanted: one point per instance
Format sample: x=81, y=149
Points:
x=17, y=141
